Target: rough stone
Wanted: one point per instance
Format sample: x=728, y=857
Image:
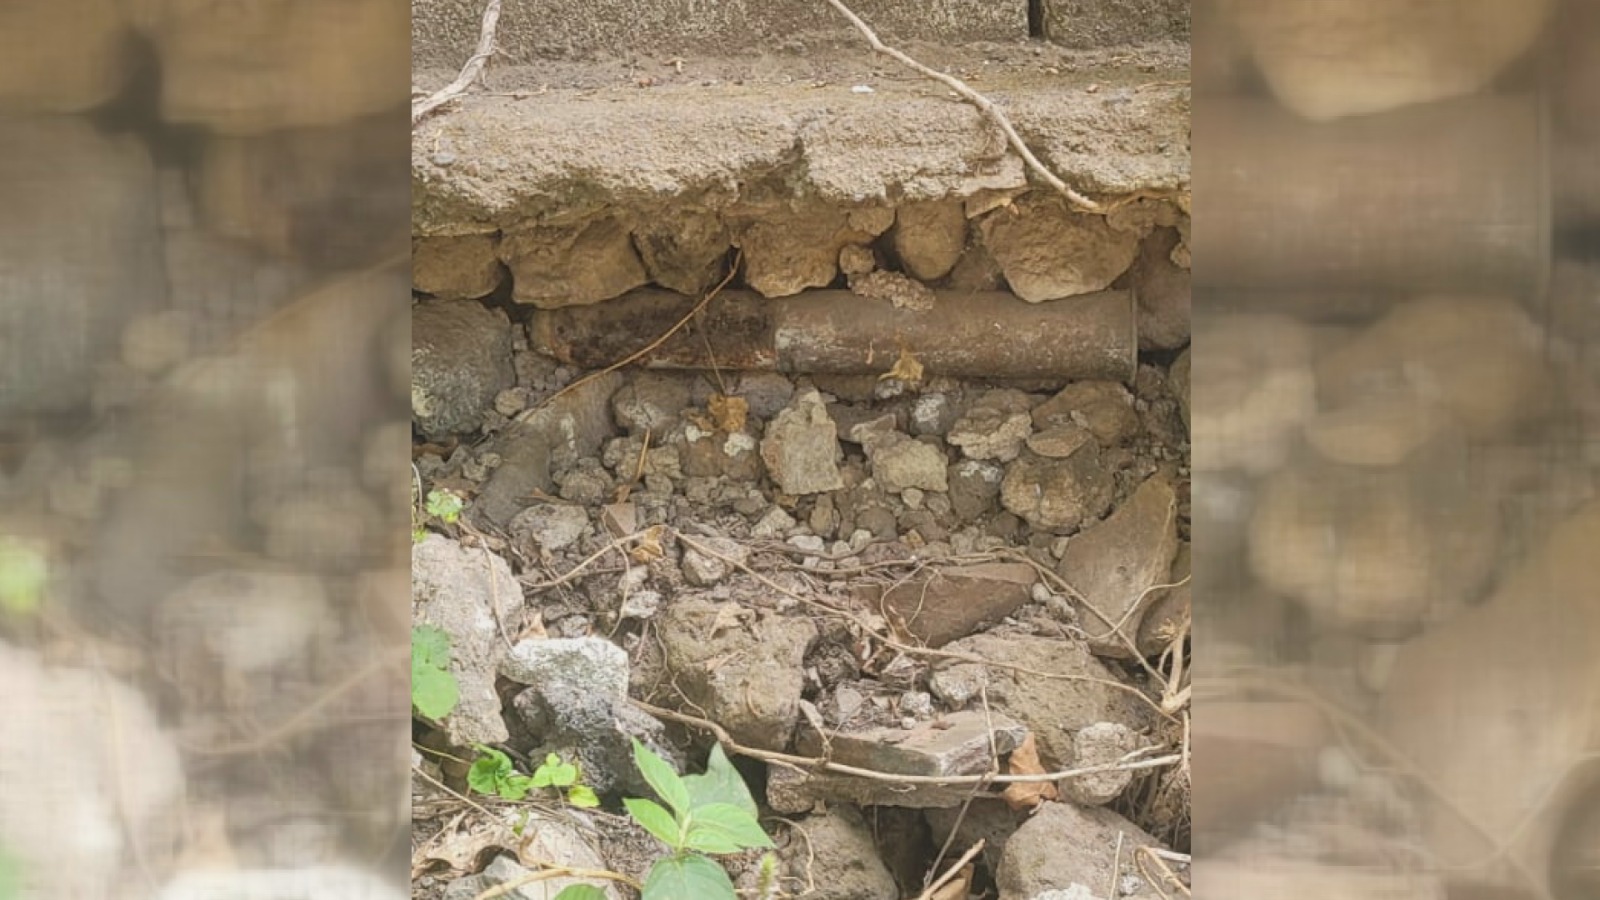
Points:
x=685, y=253
x=588, y=664
x=765, y=393
x=994, y=427
x=976, y=270
x=896, y=289
x=900, y=463
x=548, y=527
x=1103, y=743
x=801, y=448
x=839, y=845
x=1162, y=291
x=549, y=437
x=991, y=821
x=1115, y=563
x=719, y=454
x=974, y=487
x=650, y=402
x=553, y=841
x=455, y=589
x=929, y=237
x=460, y=359
x=1171, y=610
x=556, y=266
x=790, y=792
x=1059, y=441
x=956, y=744
x=1066, y=846
x=949, y=603
x=1049, y=252
x=1105, y=408
x=74, y=56
x=740, y=668
x=1052, y=708
x=1059, y=495
x=1088, y=24
x=705, y=570
x=789, y=250
x=456, y=268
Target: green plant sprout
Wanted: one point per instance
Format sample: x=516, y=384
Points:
x=434, y=691
x=24, y=572
x=704, y=814
x=445, y=505
x=493, y=774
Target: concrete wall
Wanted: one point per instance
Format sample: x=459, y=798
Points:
x=444, y=31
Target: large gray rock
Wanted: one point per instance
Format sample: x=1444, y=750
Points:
x=1115, y=564
x=82, y=252
x=460, y=359
x=456, y=590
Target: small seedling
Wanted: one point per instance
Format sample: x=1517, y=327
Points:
x=704, y=814
x=434, y=691
x=445, y=505
x=493, y=774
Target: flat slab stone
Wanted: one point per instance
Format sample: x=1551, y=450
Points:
x=949, y=604
x=956, y=744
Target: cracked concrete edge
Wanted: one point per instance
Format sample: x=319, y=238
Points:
x=498, y=162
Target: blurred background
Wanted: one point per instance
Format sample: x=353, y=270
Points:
x=203, y=419
x=1396, y=426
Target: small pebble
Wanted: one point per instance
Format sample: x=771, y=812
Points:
x=641, y=605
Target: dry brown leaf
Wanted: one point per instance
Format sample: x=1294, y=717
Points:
x=649, y=547
x=907, y=368
x=729, y=413
x=956, y=888
x=1024, y=795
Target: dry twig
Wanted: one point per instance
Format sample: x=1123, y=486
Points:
x=470, y=72
x=955, y=867
x=984, y=105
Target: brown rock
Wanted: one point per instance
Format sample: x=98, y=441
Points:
x=1251, y=755
x=1065, y=845
x=1048, y=252
x=455, y=268
x=1058, y=494
x=1161, y=290
x=1105, y=408
x=951, y=603
x=929, y=237
x=62, y=56
x=683, y=253
x=788, y=250
x=552, y=267
x=1114, y=565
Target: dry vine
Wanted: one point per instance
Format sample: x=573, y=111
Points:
x=471, y=72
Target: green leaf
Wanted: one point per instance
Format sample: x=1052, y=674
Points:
x=582, y=796
x=541, y=777
x=581, y=892
x=430, y=646
x=721, y=783
x=655, y=819
x=724, y=828
x=687, y=877
x=563, y=775
x=515, y=786
x=489, y=771
x=434, y=692
x=658, y=772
